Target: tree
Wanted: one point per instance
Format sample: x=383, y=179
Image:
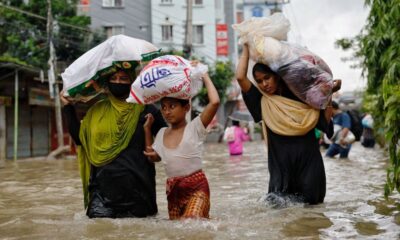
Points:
x=24, y=37
x=378, y=49
x=221, y=74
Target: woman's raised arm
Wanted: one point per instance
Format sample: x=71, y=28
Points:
x=241, y=71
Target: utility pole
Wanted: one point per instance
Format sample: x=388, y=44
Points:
x=187, y=47
x=52, y=77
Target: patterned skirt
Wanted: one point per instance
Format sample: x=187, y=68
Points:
x=188, y=196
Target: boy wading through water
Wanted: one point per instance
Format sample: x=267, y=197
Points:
x=180, y=148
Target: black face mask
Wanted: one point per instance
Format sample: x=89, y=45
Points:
x=119, y=90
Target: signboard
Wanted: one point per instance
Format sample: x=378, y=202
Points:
x=40, y=97
x=222, y=40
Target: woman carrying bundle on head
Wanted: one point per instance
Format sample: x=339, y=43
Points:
x=294, y=160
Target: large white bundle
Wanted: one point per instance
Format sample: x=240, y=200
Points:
x=167, y=76
x=276, y=26
x=99, y=62
x=305, y=74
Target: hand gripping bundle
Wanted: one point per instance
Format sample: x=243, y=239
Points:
x=167, y=76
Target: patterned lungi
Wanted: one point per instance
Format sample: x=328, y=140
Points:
x=188, y=196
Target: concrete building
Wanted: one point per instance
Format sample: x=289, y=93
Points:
x=168, y=19
x=132, y=18
x=261, y=8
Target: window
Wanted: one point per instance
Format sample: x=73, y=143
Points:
x=198, y=35
x=113, y=3
x=196, y=2
x=166, y=31
x=257, y=11
x=114, y=30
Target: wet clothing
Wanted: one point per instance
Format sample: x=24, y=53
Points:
x=368, y=139
x=188, y=193
x=125, y=187
x=106, y=130
x=187, y=157
x=295, y=163
x=335, y=149
x=188, y=196
x=343, y=120
x=236, y=146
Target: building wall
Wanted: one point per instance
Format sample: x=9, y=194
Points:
x=257, y=8
x=174, y=13
x=135, y=16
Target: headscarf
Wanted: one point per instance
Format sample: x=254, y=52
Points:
x=105, y=131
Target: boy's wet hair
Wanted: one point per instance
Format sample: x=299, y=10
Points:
x=235, y=123
x=259, y=67
x=183, y=102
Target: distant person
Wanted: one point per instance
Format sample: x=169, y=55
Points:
x=180, y=148
x=368, y=138
x=343, y=122
x=235, y=136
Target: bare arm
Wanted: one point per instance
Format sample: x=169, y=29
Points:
x=241, y=71
x=148, y=140
x=213, y=101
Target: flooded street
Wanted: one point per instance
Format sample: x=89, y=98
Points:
x=42, y=199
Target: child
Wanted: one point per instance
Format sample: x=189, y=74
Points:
x=180, y=147
x=239, y=136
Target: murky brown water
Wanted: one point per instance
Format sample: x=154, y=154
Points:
x=43, y=200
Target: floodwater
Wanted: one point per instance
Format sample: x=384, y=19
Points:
x=42, y=199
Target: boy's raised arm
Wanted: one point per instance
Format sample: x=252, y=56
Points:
x=213, y=101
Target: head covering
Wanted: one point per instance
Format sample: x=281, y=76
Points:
x=105, y=131
x=127, y=67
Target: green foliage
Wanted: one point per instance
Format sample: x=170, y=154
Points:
x=221, y=75
x=25, y=37
x=344, y=43
x=380, y=48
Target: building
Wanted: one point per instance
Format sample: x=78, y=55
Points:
x=113, y=17
x=168, y=19
x=261, y=8
x=27, y=116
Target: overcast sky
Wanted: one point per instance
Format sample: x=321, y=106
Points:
x=316, y=24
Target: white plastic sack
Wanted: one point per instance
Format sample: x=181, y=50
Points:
x=305, y=74
x=337, y=135
x=367, y=121
x=276, y=26
x=98, y=63
x=229, y=134
x=167, y=76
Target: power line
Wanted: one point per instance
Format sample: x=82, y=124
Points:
x=43, y=18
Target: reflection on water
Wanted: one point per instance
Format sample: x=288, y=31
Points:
x=43, y=200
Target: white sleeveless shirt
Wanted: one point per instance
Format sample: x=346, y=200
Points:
x=186, y=158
